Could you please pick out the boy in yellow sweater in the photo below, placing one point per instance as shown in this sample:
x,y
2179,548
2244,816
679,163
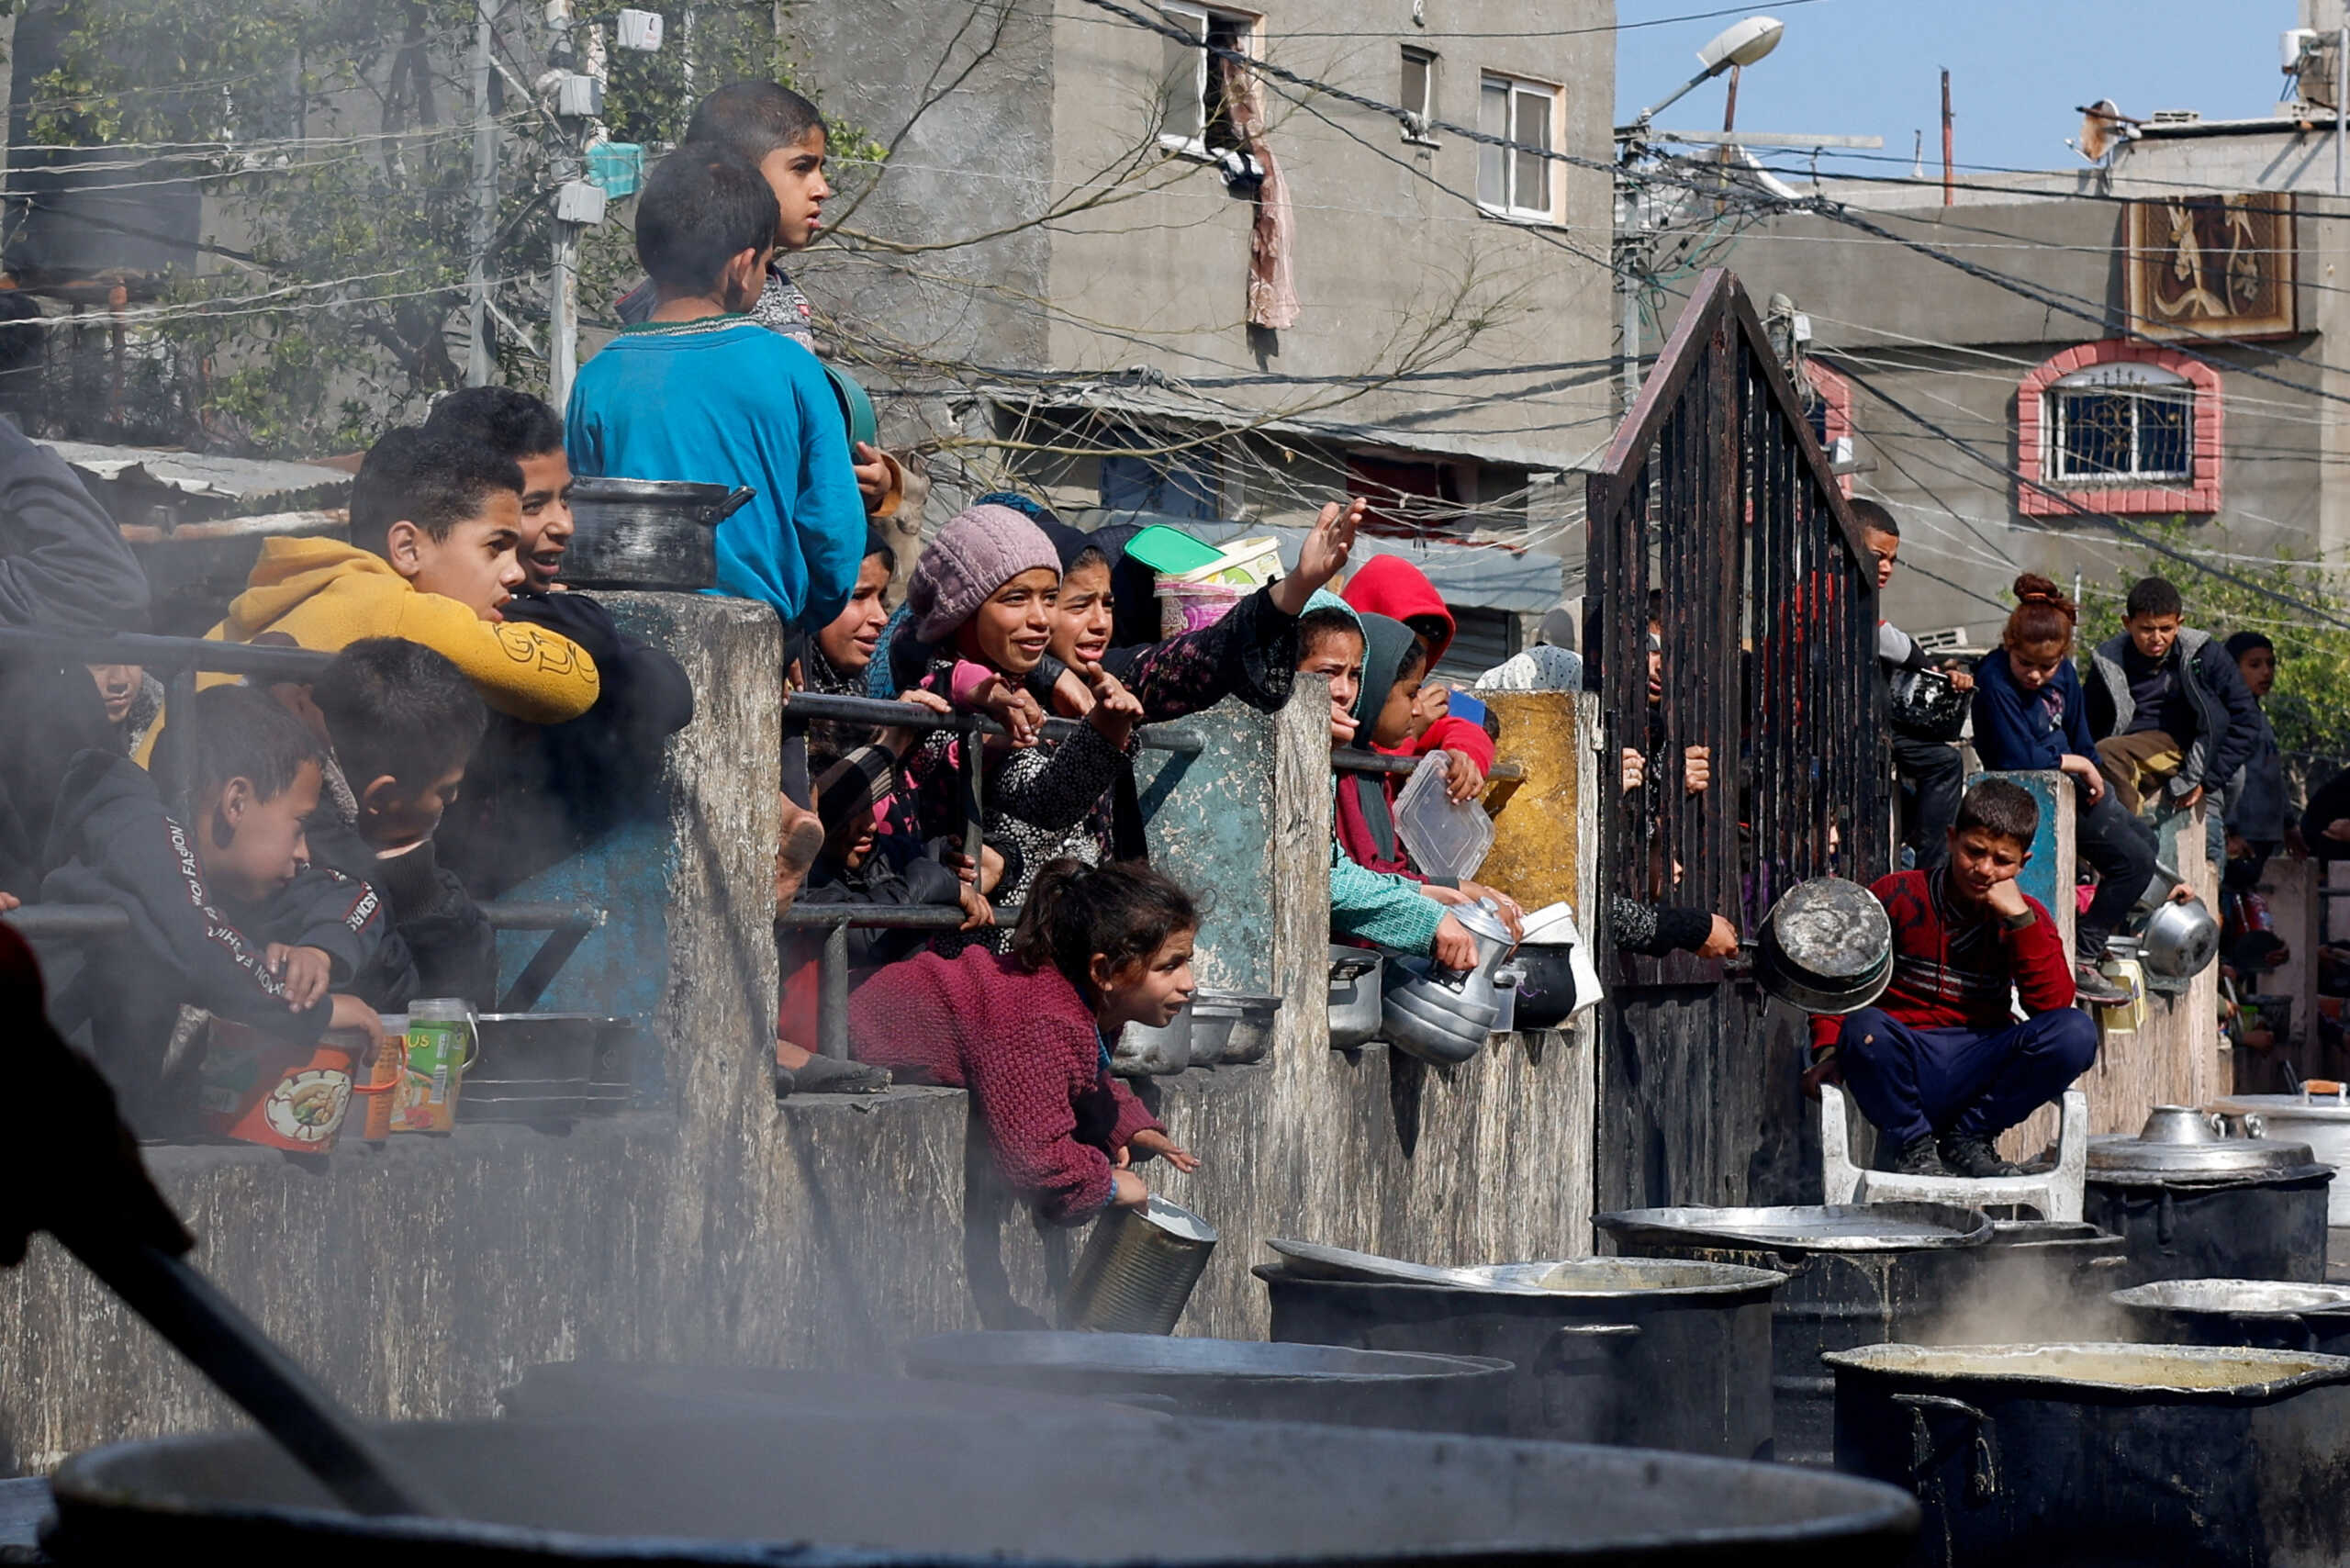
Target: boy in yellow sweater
x,y
433,529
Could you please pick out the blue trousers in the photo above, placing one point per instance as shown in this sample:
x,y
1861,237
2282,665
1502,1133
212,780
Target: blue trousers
x,y
1911,1081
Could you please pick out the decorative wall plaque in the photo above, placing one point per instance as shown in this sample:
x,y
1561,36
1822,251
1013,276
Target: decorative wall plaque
x,y
2212,266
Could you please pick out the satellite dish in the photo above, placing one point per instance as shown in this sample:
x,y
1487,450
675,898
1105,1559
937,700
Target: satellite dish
x,y
1741,43
2100,122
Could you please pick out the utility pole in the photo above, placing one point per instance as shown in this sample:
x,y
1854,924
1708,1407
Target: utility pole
x,y
1950,195
479,365
564,166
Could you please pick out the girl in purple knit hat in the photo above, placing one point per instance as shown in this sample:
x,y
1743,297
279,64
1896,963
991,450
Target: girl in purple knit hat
x,y
980,602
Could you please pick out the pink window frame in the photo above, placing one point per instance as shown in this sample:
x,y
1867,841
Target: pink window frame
x,y
2201,494
1837,394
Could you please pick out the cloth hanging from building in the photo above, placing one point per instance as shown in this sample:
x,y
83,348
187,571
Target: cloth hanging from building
x,y
1272,291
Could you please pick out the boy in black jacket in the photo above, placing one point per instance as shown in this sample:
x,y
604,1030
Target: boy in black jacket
x,y
227,913
2168,709
403,721
538,794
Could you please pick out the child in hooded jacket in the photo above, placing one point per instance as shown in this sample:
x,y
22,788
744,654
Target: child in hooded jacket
x,y
1029,1032
1392,587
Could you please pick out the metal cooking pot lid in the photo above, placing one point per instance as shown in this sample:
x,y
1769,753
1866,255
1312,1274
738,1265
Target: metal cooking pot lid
x,y
1314,1261
1482,922
2239,1298
1832,930
1813,1227
2179,1141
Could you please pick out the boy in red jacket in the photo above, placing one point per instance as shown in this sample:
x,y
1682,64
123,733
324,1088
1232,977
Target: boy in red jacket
x,y
1940,1065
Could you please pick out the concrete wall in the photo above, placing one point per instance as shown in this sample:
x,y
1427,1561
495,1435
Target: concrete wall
x,y
418,1278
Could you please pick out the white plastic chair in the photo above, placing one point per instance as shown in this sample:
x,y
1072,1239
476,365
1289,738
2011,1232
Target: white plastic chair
x,y
2055,1193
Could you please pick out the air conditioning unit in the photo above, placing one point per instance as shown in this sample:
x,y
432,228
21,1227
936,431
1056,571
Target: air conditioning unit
x,y
1948,640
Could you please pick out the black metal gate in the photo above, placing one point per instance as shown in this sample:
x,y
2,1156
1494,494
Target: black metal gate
x,y
1716,494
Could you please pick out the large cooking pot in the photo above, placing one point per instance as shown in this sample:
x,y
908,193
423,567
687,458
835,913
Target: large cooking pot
x,y
2270,1313
875,1490
1442,1014
2103,1453
643,1390
1857,1275
647,534
2196,1205
1826,948
1354,996
2321,1121
1231,1379
1646,1352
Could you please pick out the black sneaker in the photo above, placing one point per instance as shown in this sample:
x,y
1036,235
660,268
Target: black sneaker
x,y
2092,986
1976,1159
1920,1156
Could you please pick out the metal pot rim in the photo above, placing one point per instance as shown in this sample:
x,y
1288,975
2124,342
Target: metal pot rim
x,y
1932,1225
1748,1282
669,491
2202,1180
2331,1301
2030,1367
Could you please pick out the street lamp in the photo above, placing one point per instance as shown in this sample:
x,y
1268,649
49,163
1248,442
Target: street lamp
x,y
1739,44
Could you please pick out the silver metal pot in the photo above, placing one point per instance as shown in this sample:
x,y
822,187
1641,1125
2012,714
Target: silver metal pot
x,y
647,534
1354,996
1231,1028
1826,947
1138,1269
2321,1121
2274,1313
2195,1206
2180,940
1142,1051
1442,1014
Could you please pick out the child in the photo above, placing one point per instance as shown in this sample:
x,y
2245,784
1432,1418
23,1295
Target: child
x,y
1939,1065
781,134
1932,768
700,392
536,794
227,915
1029,1032
2255,812
980,602
1392,587
434,526
1249,652
134,701
403,720
2167,707
1394,660
2030,713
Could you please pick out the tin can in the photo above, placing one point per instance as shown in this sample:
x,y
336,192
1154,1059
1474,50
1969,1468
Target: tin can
x,y
441,1044
1138,1269
261,1088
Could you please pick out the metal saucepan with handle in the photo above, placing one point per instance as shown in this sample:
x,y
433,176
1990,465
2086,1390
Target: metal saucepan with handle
x,y
647,534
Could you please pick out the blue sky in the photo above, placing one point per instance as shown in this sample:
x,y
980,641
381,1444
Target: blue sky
x,y
1871,67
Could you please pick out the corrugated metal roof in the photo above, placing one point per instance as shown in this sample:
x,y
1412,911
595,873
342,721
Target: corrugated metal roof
x,y
227,485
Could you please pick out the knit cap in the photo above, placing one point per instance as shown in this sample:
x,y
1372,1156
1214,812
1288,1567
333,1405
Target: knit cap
x,y
978,551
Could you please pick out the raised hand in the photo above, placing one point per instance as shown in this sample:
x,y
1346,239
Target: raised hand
x,y
1321,557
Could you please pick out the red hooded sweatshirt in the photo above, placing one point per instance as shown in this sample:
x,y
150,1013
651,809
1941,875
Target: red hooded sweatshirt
x,y
1390,586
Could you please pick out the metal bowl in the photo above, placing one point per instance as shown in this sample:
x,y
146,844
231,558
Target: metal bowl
x,y
1142,1051
2180,940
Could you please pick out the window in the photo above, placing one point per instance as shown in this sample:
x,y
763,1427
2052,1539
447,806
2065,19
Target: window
x,y
1170,484
1416,96
2121,421
1196,120
2119,427
1516,181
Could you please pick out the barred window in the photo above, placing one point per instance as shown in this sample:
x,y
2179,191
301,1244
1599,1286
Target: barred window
x,y
2123,421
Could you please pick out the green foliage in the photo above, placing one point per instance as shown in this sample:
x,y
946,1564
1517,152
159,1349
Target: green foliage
x,y
332,296
2309,707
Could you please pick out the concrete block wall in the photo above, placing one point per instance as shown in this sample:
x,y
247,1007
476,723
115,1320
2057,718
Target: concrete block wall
x,y
420,1277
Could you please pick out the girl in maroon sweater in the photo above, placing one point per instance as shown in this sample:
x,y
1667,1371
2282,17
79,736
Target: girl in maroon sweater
x,y
1028,1032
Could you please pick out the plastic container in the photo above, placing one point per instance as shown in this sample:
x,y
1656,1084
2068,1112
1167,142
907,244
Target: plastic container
x,y
262,1088
1169,551
1243,564
1187,607
441,1043
384,1082
1446,839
